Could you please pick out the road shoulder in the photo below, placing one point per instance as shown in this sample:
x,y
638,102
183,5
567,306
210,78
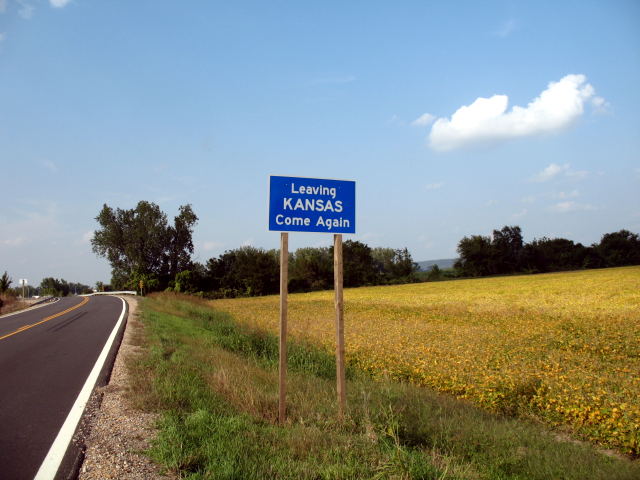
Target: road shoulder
x,y
118,433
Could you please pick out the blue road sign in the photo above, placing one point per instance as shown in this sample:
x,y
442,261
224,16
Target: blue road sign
x,y
299,204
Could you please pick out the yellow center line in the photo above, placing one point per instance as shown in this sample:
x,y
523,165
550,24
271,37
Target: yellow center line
x,y
27,327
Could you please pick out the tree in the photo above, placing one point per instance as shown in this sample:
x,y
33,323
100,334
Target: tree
x,y
434,274
358,264
475,254
620,248
394,265
54,287
5,282
181,243
310,269
245,271
507,249
556,254
140,244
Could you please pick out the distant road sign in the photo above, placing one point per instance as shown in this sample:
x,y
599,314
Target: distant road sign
x,y
298,204
23,282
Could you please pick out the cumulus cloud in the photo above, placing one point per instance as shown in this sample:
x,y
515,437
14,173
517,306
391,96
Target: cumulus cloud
x,y
59,3
487,121
554,170
423,120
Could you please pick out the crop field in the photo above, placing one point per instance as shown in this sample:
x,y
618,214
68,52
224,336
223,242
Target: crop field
x,y
563,348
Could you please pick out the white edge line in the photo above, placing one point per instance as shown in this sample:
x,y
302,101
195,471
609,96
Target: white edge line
x,y
52,461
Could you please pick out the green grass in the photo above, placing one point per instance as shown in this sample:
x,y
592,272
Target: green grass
x,y
216,387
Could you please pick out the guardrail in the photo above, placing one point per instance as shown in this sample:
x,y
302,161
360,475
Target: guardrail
x,y
121,292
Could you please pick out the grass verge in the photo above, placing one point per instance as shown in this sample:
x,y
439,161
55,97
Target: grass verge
x,y
216,386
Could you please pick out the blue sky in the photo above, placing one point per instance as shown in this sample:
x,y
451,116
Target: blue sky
x,y
454,118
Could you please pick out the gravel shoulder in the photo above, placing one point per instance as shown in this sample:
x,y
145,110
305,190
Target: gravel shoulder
x,y
118,433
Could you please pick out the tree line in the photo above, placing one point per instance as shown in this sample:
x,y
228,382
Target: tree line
x,y
505,252
146,251
149,253
49,286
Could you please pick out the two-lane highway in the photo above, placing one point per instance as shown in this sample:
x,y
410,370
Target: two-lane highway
x,y
46,355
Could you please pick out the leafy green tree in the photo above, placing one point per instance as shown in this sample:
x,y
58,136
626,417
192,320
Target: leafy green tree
x,y
555,254
620,248
507,250
384,260
310,269
435,274
54,287
475,254
5,282
189,281
139,243
245,271
394,265
358,264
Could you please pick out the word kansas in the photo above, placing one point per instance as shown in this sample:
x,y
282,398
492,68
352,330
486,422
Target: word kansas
x,y
312,204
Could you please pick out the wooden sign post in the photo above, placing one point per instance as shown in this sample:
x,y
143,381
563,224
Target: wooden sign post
x,y
339,303
284,279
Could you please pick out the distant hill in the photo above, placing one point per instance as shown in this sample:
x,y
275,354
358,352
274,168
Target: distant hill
x,y
444,263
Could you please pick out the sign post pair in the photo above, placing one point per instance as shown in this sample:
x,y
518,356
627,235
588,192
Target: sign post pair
x,y
298,204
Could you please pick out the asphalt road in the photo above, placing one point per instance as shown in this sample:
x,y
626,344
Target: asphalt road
x,y
46,355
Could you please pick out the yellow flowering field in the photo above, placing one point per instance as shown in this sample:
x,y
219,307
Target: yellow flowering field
x,y
562,347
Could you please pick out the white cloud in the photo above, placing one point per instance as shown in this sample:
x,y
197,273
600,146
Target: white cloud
x,y
59,3
571,206
423,120
87,236
3,6
434,186
600,104
552,171
506,29
529,199
487,120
